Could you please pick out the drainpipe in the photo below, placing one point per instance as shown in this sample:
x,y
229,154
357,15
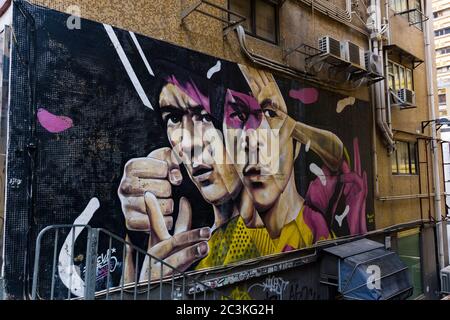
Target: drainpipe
x,y
273,65
386,69
374,152
428,37
386,90
386,9
374,140
379,98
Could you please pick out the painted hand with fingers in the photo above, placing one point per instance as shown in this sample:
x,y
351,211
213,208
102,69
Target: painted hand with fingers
x,y
179,251
355,192
156,173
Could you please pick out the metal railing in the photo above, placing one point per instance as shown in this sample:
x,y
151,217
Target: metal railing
x,y
59,269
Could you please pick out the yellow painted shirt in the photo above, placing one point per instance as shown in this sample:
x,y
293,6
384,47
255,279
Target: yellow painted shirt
x,y
230,243
234,242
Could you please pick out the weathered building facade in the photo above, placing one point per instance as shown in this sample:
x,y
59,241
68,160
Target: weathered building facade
x,y
344,80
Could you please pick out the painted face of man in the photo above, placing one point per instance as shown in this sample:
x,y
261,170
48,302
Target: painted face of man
x,y
260,127
197,142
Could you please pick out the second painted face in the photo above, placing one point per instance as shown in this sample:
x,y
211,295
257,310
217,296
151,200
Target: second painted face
x,y
199,145
256,125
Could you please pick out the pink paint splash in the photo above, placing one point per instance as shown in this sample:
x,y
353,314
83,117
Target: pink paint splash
x,y
306,95
192,91
53,123
242,111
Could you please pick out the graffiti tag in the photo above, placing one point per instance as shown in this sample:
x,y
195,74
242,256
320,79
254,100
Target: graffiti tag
x,y
102,264
299,292
14,182
272,285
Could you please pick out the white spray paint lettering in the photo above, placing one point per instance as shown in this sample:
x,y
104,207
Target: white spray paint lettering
x,y
102,264
14,182
273,285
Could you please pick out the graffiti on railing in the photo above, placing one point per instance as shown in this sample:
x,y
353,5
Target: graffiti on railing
x,y
103,261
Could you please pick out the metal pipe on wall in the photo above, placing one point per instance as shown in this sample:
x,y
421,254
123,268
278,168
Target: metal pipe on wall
x,y
379,98
428,37
388,101
408,196
386,9
278,67
342,15
374,150
335,13
386,89
376,36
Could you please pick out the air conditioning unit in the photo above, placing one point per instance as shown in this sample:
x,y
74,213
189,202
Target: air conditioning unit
x,y
407,96
353,53
445,280
372,62
330,46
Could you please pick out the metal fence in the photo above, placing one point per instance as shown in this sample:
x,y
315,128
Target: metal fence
x,y
57,275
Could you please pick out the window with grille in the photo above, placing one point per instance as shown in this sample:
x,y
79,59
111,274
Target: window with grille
x,y
404,158
400,77
406,5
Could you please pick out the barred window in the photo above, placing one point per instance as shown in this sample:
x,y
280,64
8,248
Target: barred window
x,y
400,77
406,5
404,158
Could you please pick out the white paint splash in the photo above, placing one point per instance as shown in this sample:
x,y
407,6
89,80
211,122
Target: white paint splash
x,y
127,65
308,145
314,168
343,103
144,58
66,269
341,217
214,69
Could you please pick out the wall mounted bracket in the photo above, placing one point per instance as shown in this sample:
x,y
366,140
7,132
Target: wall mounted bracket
x,y
323,59
439,123
200,6
415,16
307,50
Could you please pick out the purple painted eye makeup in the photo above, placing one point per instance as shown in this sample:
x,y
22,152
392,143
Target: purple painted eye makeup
x,y
242,111
192,91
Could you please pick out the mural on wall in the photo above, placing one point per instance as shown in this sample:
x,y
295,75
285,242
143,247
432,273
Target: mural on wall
x,y
199,161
